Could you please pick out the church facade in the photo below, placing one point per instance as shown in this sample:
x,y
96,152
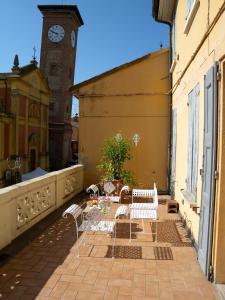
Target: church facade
x,y
24,101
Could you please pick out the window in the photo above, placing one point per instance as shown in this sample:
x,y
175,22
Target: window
x,y
174,40
189,6
32,159
2,105
53,70
192,162
173,45
52,106
70,73
192,8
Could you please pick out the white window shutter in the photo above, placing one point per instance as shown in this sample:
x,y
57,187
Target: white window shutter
x,y
193,136
190,136
196,141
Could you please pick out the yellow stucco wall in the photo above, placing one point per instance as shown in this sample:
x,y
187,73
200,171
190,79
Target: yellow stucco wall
x,y
132,100
208,51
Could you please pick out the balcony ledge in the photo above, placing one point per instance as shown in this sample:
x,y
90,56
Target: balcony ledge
x,y
190,199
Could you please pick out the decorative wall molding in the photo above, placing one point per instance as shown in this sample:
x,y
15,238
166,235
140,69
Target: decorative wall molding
x,y
70,184
33,204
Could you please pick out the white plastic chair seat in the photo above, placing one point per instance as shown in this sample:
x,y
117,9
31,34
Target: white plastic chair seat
x,y
143,206
143,214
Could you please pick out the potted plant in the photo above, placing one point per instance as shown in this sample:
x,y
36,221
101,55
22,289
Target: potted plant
x,y
115,152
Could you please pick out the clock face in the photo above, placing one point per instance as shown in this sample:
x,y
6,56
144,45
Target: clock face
x,y
73,38
56,33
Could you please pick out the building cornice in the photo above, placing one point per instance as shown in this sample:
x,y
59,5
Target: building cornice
x,y
163,10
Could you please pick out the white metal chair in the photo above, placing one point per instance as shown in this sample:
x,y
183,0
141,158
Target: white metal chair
x,y
140,210
91,222
114,198
117,199
147,194
93,189
122,210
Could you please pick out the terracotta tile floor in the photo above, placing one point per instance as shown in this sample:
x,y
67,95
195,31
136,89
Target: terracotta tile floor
x,y
48,267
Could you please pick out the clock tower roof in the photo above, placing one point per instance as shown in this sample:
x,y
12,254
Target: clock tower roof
x,y
72,9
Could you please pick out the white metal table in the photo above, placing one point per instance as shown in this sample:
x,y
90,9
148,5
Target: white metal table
x,y
92,221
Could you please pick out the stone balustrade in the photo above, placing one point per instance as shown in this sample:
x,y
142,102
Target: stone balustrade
x,y
24,204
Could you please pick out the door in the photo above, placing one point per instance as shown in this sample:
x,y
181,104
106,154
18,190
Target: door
x,y
32,159
208,171
174,147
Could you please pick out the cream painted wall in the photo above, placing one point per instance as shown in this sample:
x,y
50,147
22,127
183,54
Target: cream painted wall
x,y
208,52
133,100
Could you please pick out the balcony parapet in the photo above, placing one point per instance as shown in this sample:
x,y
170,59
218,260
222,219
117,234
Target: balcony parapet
x,y
24,204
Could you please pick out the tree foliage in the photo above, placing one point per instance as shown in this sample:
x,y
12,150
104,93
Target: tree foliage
x,y
115,152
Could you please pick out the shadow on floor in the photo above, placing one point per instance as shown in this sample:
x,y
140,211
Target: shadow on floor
x,y
30,260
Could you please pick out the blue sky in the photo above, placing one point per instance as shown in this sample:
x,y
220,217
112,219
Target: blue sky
x,y
114,32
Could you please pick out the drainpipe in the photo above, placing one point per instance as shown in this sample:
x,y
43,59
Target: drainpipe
x,y
170,105
171,116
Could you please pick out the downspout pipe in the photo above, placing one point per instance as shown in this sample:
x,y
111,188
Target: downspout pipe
x,y
155,9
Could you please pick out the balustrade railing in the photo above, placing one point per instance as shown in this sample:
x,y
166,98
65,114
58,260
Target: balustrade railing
x,y
26,203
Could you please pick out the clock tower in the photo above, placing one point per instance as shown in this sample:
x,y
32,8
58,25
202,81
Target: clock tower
x,y
57,62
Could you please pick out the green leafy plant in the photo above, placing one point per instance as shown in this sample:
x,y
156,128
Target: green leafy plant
x,y
115,152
